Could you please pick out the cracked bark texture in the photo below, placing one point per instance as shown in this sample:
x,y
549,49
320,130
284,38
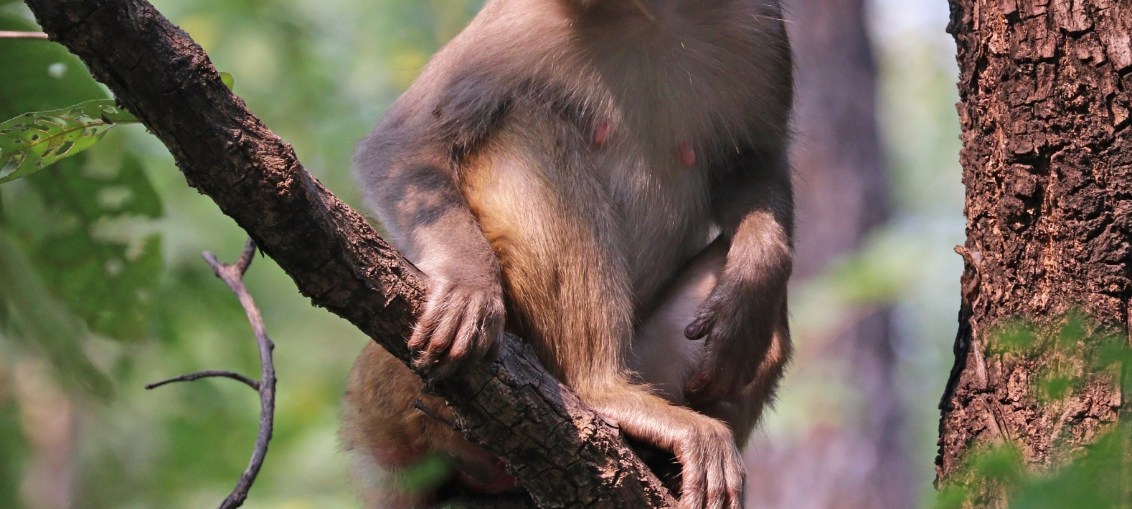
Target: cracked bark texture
x,y
1047,163
564,454
842,190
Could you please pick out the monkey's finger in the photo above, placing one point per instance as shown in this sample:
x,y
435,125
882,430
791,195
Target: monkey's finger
x,y
700,326
692,483
710,383
493,348
733,480
433,355
715,496
422,331
464,340
429,319
490,331
736,484
488,328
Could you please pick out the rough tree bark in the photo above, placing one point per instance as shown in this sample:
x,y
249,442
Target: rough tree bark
x,y
1047,162
512,406
843,195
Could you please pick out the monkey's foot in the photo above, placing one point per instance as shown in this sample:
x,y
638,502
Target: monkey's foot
x,y
712,472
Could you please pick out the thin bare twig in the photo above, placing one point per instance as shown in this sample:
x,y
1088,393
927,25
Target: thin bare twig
x,y
10,34
192,377
233,276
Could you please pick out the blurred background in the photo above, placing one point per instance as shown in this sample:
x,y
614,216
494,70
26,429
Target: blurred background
x,y
102,288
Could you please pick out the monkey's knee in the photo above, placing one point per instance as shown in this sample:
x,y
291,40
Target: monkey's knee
x,y
384,430
405,450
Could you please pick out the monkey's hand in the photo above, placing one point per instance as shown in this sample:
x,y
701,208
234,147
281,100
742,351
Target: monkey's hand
x,y
737,322
461,324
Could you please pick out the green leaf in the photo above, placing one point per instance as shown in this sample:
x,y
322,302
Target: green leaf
x,y
228,80
13,451
97,202
951,497
1093,480
86,230
1072,332
34,141
1002,464
1112,350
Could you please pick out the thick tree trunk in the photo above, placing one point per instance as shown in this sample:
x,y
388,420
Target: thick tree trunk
x,y
1047,162
843,194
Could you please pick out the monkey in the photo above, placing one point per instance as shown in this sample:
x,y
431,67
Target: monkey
x,y
607,179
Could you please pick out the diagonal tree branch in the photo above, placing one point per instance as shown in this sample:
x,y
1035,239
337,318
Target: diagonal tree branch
x,y
563,453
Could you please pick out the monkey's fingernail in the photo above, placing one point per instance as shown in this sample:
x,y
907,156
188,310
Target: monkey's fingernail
x,y
687,154
601,133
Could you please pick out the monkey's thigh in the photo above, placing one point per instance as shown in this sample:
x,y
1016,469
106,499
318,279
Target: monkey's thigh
x,y
551,223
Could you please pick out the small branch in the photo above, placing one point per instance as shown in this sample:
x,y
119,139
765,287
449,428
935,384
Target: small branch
x,y
233,276
9,34
192,377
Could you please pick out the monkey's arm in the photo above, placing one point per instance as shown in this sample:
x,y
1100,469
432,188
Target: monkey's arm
x,y
754,205
408,168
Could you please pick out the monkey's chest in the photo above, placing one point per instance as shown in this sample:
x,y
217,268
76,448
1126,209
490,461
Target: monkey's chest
x,y
660,198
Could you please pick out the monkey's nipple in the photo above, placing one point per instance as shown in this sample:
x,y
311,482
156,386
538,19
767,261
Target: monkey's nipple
x,y
687,154
602,132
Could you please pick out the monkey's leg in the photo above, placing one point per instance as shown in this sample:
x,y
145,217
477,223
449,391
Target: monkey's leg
x,y
753,205
568,294
665,359
662,356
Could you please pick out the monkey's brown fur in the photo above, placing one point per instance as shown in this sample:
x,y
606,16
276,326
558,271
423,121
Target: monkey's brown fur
x,y
554,169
